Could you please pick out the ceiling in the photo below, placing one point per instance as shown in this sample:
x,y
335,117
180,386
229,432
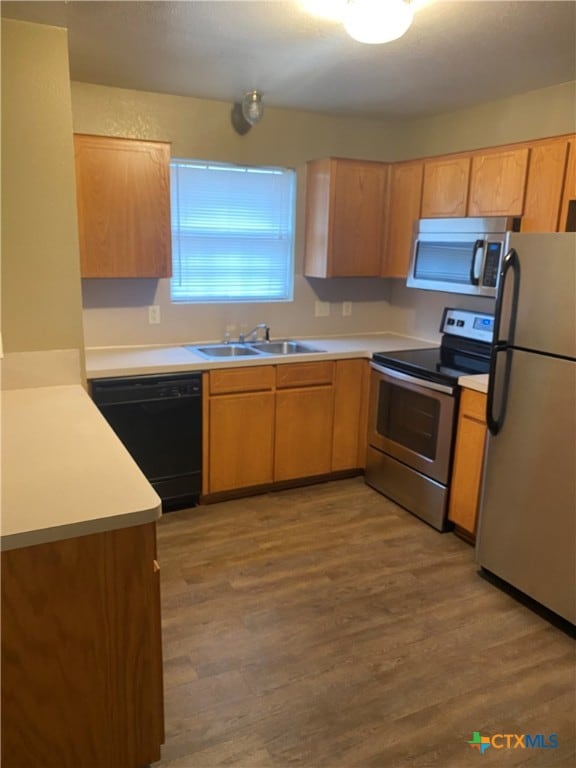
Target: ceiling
x,y
454,55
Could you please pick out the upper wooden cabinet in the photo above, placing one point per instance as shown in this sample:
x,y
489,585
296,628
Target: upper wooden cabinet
x,y
345,214
498,183
123,198
546,173
405,196
445,187
568,208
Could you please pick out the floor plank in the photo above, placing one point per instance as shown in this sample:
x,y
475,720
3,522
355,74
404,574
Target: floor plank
x,y
325,627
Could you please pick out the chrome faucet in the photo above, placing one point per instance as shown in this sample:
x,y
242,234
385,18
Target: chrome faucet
x,y
254,333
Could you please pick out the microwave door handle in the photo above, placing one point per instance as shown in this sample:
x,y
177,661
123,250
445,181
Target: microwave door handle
x,y
476,263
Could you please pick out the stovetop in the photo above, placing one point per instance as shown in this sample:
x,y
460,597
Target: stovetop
x,y
432,365
465,350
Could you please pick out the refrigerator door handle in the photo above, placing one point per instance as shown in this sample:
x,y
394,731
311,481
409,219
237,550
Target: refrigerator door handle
x,y
510,262
498,385
499,380
476,263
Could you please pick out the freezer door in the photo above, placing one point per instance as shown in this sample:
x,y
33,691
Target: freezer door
x,y
527,523
546,313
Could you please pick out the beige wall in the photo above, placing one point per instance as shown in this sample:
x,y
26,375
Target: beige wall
x,y
115,311
41,299
532,115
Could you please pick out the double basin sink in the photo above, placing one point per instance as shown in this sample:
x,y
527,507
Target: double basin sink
x,y
252,349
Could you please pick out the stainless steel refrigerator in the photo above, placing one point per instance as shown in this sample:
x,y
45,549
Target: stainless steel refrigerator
x,y
527,524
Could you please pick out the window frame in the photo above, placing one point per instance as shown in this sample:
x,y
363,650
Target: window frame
x,y
283,234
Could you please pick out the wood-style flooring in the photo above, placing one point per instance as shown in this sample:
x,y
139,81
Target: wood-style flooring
x,y
325,627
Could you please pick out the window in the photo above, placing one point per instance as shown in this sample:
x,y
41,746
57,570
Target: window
x,y
232,232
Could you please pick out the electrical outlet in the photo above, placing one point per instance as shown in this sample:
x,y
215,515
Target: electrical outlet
x,y
321,308
346,308
154,315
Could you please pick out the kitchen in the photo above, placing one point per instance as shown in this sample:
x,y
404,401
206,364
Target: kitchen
x,y
115,313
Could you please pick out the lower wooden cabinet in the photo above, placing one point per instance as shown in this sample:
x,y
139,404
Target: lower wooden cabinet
x,y
350,414
468,462
269,424
82,652
241,441
304,419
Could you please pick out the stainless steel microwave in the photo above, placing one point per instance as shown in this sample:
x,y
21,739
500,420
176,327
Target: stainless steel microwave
x,y
460,255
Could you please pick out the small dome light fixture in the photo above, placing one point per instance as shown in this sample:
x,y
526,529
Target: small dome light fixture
x,y
252,107
247,112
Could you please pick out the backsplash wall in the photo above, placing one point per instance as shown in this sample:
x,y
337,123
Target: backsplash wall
x,y
116,312
413,312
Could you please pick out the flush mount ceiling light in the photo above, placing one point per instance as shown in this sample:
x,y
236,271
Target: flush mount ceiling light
x,y
368,21
247,112
377,21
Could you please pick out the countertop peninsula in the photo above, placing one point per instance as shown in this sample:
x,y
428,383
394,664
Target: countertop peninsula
x,y
64,471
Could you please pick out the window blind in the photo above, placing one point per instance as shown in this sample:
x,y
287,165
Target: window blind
x,y
232,232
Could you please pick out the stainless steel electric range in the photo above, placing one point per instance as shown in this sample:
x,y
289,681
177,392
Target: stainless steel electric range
x,y
412,414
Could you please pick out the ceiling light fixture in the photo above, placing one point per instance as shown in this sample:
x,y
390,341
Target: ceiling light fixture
x,y
377,21
247,112
368,21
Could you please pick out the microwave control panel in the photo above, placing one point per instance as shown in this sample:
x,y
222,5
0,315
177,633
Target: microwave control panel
x,y
492,264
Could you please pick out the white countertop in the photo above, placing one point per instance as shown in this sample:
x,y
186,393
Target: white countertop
x,y
134,361
64,471
478,382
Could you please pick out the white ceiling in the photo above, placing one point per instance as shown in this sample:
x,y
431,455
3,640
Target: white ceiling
x,y
455,54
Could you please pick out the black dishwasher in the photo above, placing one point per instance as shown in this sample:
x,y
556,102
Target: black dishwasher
x,y
159,420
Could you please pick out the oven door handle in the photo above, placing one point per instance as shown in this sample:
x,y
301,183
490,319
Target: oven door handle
x,y
413,379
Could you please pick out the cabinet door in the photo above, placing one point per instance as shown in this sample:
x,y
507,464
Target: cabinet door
x,y
546,172
318,202
241,451
468,462
350,414
445,189
358,218
568,211
405,197
81,652
123,200
345,209
137,695
498,183
304,419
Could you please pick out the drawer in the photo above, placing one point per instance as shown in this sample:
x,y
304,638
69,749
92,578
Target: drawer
x,y
225,380
473,404
304,374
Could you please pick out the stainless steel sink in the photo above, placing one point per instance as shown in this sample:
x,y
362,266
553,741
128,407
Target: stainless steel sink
x,y
224,350
285,347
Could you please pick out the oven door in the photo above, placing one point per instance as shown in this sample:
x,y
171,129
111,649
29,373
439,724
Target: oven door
x,y
412,420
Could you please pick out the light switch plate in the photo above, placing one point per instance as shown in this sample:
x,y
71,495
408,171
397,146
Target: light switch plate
x,y
321,308
346,308
154,314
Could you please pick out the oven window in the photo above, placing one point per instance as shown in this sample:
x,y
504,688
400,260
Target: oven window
x,y
408,418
